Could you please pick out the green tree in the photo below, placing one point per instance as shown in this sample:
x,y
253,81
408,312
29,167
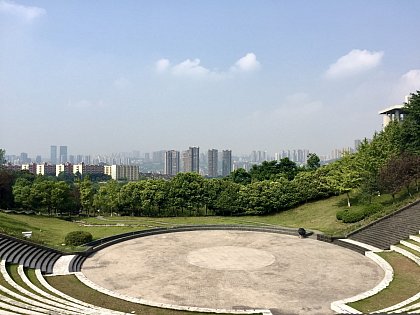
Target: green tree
x,y
343,177
240,176
227,201
186,191
60,197
313,161
87,193
154,196
410,136
21,193
107,198
130,196
40,194
2,157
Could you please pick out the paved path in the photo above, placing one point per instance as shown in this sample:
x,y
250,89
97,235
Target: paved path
x,y
234,269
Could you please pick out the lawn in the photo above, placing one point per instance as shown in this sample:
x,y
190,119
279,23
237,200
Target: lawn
x,y
319,216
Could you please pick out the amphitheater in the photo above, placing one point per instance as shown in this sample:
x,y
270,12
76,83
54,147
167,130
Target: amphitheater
x,y
216,269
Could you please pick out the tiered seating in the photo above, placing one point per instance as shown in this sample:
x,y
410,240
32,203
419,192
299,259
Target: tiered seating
x,y
390,229
409,248
37,300
411,305
17,251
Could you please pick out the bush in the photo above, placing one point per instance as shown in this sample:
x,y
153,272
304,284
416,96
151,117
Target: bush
x,y
352,216
340,213
77,238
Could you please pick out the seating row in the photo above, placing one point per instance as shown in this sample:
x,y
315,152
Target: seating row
x,y
28,254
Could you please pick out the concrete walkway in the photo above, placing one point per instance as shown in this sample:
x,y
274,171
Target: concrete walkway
x,y
234,270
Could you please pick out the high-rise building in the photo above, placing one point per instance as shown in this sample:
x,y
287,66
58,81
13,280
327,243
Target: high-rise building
x,y
53,155
213,157
63,154
191,159
226,162
23,159
172,162
158,156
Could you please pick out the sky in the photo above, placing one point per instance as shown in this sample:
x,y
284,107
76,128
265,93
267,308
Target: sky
x,y
106,76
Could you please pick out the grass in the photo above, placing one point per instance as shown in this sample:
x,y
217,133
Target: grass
x,y
70,285
408,249
405,284
317,216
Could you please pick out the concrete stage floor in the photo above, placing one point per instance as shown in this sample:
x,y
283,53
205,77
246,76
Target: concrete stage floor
x,y
234,269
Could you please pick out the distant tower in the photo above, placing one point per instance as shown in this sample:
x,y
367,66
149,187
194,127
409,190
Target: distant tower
x,y
191,159
171,162
213,157
63,154
226,162
53,158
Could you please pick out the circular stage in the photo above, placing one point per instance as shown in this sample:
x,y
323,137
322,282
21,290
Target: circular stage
x,y
234,270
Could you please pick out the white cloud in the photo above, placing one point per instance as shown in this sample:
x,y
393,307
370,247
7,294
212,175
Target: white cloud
x,y
162,65
411,80
408,83
27,13
248,62
190,68
355,62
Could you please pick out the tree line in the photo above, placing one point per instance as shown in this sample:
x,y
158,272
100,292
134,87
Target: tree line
x,y
388,163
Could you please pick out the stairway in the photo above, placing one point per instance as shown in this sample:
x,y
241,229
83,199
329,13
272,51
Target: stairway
x,y
391,229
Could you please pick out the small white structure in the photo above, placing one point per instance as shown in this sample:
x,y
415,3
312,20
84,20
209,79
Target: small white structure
x,y
394,113
27,234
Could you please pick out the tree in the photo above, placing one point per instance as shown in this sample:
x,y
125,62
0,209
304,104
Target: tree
x,y
87,193
410,136
60,197
7,179
40,194
2,157
21,193
107,198
130,196
399,172
186,191
343,177
240,176
227,200
153,196
313,162
273,169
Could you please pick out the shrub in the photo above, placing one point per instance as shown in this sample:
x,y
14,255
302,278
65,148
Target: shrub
x,y
77,238
352,216
340,213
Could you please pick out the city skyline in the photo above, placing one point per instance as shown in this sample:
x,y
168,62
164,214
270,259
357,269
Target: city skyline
x,y
105,77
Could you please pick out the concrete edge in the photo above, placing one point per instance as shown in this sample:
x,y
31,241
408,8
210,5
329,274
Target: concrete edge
x,y
103,290
340,305
360,244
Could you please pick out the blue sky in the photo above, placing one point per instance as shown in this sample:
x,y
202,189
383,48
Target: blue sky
x,y
109,76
